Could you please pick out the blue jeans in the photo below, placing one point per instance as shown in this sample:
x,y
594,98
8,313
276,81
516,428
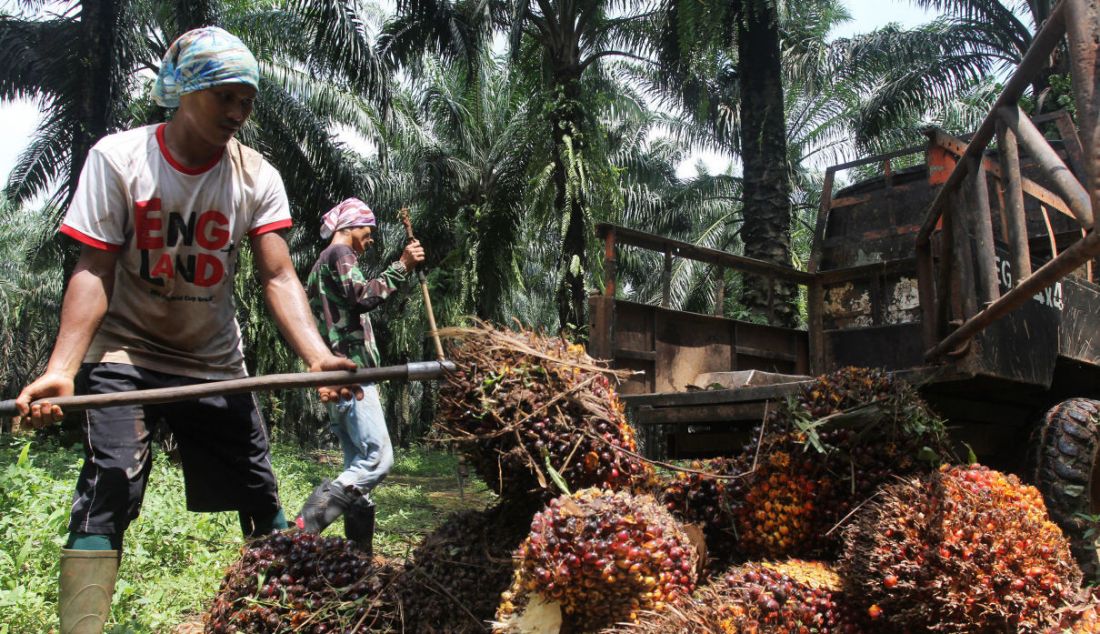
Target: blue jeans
x,y
361,428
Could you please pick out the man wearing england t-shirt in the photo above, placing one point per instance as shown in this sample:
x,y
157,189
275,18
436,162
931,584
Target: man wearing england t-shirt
x,y
161,213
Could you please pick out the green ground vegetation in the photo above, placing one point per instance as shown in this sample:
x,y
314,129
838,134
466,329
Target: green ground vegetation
x,y
174,560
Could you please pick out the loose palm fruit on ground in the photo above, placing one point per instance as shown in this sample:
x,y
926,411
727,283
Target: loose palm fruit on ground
x,y
965,549
520,399
790,597
602,557
299,582
452,582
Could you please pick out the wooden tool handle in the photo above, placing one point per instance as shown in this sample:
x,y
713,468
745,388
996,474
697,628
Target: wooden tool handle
x,y
418,371
407,221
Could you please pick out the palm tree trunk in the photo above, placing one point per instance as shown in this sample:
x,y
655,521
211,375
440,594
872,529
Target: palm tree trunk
x,y
98,25
566,120
192,14
767,209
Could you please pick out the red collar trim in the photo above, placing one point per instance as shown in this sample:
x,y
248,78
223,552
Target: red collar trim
x,y
180,167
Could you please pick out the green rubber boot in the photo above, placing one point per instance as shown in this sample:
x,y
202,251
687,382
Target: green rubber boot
x,y
87,585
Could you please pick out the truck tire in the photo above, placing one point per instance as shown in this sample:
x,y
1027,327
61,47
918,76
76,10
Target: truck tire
x,y
1066,470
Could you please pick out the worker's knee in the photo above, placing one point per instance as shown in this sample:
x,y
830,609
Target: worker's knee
x,y
385,458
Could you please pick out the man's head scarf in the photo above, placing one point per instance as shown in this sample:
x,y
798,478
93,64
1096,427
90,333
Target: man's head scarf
x,y
347,215
201,59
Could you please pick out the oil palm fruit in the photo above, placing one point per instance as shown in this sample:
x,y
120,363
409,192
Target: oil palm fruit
x,y
698,497
1081,618
965,549
824,453
521,401
452,582
601,557
302,582
789,597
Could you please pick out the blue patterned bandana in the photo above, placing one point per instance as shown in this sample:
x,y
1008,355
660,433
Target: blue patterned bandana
x,y
201,59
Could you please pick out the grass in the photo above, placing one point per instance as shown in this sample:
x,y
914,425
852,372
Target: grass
x,y
173,559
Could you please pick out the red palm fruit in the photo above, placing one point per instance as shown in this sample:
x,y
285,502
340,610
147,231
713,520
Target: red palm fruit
x,y
520,399
967,549
285,580
644,561
452,581
790,597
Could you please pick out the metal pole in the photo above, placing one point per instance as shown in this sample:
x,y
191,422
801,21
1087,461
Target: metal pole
x,y
1015,220
1083,33
815,309
963,257
982,226
719,290
1050,273
816,292
609,263
1051,164
926,291
666,280
1035,59
946,275
1072,144
418,371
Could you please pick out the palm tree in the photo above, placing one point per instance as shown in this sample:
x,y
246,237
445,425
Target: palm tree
x,y
707,209
30,297
726,63
82,67
469,177
78,66
563,44
912,77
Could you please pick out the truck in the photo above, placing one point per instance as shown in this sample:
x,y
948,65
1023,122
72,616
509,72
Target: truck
x,y
970,272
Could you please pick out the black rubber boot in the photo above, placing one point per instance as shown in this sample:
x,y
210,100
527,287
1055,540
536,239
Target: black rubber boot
x,y
359,525
327,502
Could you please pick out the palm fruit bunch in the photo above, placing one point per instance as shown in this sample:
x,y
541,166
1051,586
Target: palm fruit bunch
x,y
774,508
303,583
453,581
965,549
696,496
601,557
521,400
789,597
825,452
844,389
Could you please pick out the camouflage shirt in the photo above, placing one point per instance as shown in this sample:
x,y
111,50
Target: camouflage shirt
x,y
340,297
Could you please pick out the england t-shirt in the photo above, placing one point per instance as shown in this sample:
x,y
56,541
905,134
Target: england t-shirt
x,y
177,231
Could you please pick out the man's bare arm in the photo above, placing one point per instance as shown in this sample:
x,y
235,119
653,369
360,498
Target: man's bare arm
x,y
82,311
